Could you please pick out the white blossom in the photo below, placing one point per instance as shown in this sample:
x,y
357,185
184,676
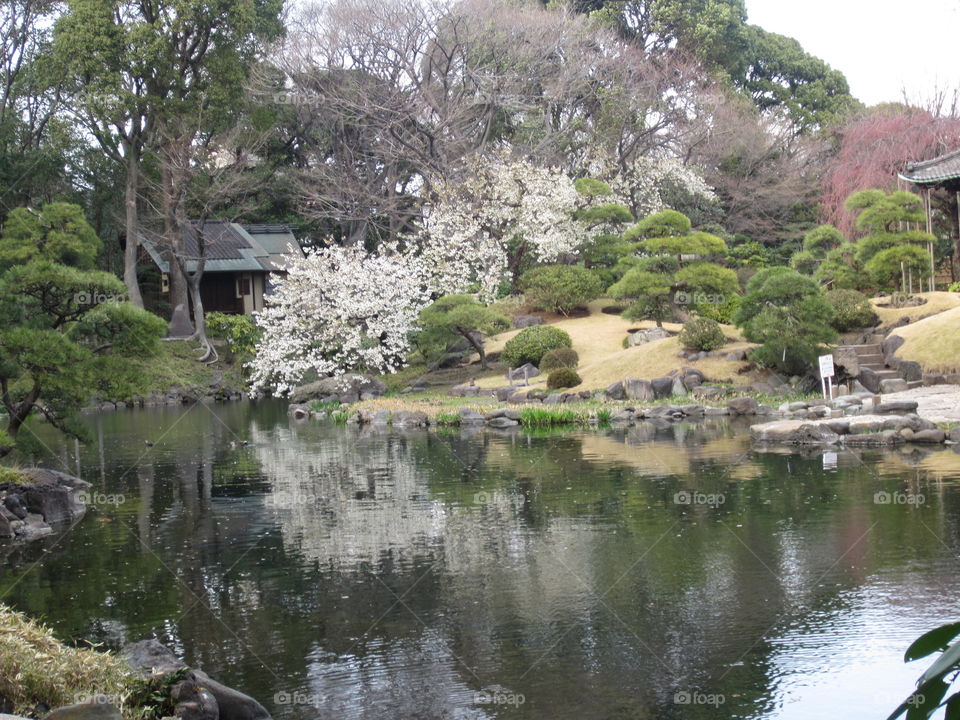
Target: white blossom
x,y
642,184
338,310
496,211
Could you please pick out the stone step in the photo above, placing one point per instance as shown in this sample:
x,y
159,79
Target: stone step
x,y
914,384
862,350
867,360
887,374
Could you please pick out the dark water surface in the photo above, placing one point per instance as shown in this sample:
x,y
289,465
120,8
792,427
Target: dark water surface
x,y
344,573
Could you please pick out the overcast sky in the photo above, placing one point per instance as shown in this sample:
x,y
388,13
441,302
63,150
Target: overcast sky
x,y
882,46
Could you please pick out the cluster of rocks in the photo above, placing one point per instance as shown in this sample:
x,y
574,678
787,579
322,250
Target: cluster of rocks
x,y
344,389
214,392
738,355
678,383
396,418
28,510
736,406
852,422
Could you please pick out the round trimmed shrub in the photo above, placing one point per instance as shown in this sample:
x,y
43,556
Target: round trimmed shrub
x,y
563,378
560,288
532,343
559,358
955,287
702,334
852,310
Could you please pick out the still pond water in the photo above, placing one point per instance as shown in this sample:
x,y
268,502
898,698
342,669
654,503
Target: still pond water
x,y
652,572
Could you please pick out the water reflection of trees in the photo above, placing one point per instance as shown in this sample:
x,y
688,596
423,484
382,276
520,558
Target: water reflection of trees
x,y
555,565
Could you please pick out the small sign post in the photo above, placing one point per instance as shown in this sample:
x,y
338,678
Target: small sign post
x,y
826,375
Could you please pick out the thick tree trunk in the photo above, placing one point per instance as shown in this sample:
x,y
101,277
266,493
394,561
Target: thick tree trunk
x,y
173,231
17,414
477,345
130,252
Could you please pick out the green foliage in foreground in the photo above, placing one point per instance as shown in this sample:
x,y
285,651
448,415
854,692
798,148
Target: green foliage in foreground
x,y
933,685
66,336
532,343
37,671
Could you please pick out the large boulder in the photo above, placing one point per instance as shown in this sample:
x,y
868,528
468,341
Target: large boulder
x,y
662,387
233,704
617,391
193,701
54,503
469,416
349,385
910,371
794,432
678,389
151,657
846,358
743,406
642,337
641,390
525,321
890,345
870,380
896,407
893,385
85,711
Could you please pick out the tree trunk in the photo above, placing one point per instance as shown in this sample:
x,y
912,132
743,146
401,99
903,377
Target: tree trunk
x,y
477,345
133,239
17,414
174,228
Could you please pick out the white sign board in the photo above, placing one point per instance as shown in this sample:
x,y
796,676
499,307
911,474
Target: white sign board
x,y
826,366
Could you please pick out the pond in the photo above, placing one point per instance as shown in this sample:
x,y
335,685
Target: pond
x,y
660,571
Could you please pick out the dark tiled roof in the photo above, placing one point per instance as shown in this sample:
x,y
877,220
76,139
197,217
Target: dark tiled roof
x,y
231,247
940,169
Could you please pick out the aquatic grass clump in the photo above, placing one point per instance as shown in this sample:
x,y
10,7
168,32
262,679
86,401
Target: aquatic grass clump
x,y
340,417
321,406
446,419
549,417
37,671
604,416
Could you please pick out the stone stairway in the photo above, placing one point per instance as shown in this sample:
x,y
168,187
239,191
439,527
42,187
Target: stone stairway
x,y
871,367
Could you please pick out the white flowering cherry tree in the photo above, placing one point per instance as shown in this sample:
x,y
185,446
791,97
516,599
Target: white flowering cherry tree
x,y
644,181
493,217
338,310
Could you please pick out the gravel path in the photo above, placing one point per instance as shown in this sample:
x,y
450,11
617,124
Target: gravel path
x,y
938,403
